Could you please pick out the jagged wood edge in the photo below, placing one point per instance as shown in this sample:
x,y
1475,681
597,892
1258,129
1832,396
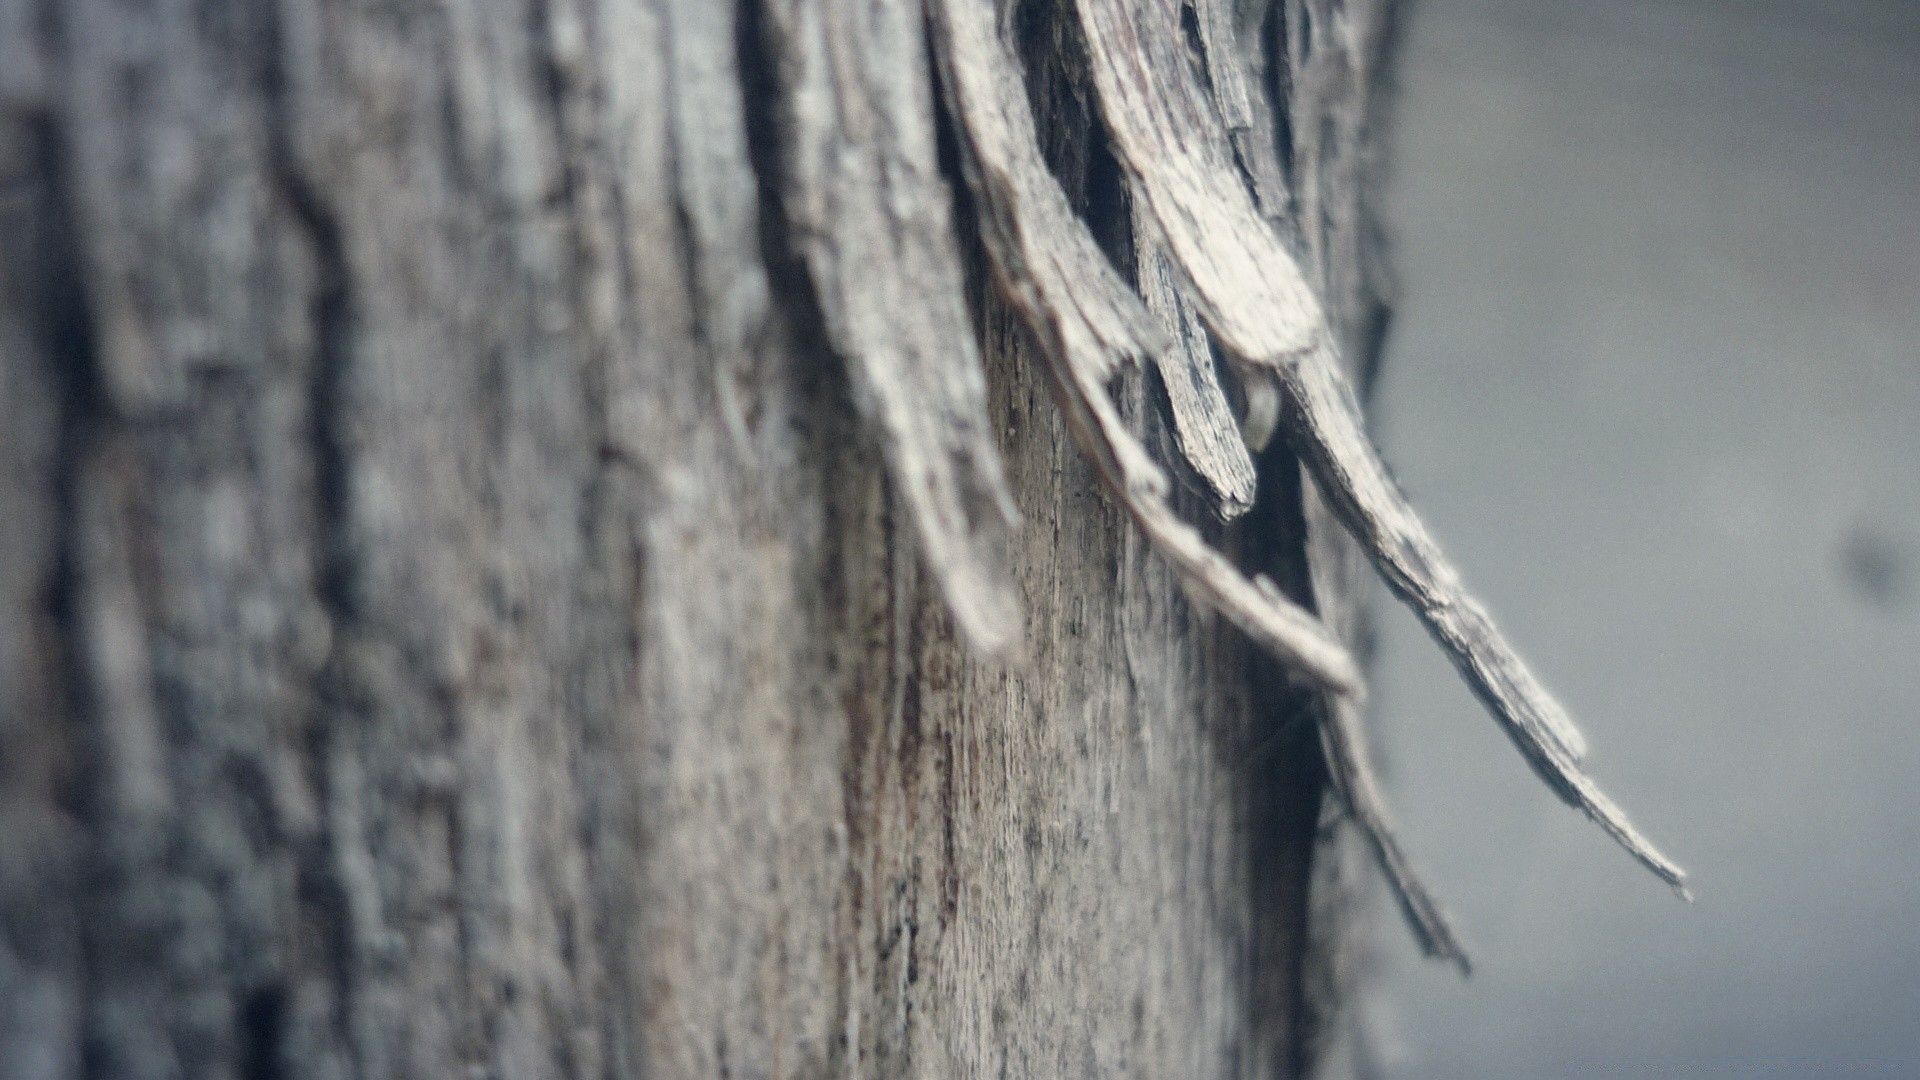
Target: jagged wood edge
x,y
873,222
1053,274
1204,426
1172,144
1322,422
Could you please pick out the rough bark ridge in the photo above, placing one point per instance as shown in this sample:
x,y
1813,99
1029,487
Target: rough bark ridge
x,y
465,602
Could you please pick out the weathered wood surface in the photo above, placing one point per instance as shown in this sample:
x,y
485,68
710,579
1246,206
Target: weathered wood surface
x,y
457,619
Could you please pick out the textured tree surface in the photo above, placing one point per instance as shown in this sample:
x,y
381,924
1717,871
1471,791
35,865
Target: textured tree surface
x,y
473,601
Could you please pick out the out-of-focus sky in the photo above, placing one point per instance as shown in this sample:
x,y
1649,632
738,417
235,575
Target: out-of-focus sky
x,y
1655,382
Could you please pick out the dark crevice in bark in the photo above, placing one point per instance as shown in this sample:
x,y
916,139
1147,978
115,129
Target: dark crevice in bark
x,y
1196,48
1072,141
68,331
260,1026
1275,43
1052,90
1106,206
331,321
687,245
1289,773
833,445
789,285
825,419
72,346
556,91
948,156
320,889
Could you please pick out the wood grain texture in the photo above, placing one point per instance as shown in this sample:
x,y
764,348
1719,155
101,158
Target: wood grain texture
x,y
462,611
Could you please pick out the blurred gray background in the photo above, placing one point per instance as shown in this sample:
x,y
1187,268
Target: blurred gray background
x,y
1655,380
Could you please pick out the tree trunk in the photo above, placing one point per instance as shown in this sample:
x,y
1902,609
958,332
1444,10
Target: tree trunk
x,y
455,618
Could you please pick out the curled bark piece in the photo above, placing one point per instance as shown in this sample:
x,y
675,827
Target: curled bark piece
x,y
1203,422
1344,743
872,218
1088,322
1323,424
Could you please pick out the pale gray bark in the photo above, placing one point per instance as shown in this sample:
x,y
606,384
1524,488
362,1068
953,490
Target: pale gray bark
x,y
501,531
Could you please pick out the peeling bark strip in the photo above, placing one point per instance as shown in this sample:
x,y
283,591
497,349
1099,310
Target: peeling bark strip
x,y
1174,144
1090,323
871,215
1324,426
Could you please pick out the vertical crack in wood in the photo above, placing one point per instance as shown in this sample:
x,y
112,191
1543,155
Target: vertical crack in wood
x,y
338,903
1089,323
873,220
